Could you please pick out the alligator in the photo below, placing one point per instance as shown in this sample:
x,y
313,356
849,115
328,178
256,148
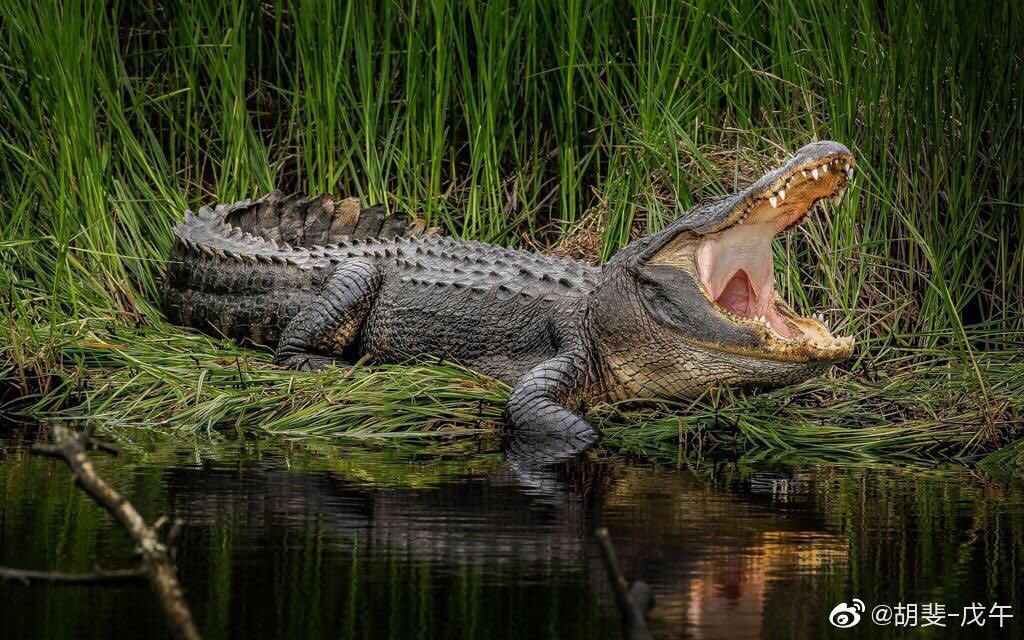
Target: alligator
x,y
667,316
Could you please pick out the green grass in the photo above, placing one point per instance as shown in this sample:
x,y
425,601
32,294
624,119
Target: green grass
x,y
542,124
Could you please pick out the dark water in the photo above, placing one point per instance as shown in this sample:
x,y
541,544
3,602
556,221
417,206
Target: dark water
x,y
318,541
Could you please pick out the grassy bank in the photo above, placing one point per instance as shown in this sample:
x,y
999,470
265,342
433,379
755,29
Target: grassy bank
x,y
555,125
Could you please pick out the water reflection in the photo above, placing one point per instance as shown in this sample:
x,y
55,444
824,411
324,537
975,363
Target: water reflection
x,y
296,541
728,591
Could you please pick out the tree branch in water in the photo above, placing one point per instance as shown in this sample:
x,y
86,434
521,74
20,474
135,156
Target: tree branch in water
x,y
632,602
156,557
98,577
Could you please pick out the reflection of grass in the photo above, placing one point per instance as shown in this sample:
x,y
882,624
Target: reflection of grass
x,y
916,534
554,124
306,576
390,462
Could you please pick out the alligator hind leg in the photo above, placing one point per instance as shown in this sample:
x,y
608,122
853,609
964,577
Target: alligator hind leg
x,y
541,412
317,335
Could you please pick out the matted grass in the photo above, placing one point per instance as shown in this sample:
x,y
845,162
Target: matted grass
x,y
568,125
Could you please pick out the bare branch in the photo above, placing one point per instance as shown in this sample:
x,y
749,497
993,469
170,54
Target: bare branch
x,y
156,562
632,603
100,576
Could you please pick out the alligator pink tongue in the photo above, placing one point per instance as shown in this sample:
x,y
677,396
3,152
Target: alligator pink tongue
x,y
739,297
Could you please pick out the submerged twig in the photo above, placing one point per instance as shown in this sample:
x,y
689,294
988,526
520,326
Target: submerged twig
x,y
631,601
100,576
155,556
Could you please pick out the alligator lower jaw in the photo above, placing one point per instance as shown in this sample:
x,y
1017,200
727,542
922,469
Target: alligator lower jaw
x,y
735,265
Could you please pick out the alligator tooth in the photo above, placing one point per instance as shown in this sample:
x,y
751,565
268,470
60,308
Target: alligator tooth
x,y
782,194
847,168
836,199
849,173
774,201
814,173
804,172
824,168
839,195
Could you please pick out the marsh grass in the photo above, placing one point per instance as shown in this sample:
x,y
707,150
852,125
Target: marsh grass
x,y
522,124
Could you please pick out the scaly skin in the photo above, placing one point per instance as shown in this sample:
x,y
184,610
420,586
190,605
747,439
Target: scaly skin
x,y
299,275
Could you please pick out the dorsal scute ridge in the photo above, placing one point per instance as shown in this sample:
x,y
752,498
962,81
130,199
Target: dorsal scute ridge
x,y
440,259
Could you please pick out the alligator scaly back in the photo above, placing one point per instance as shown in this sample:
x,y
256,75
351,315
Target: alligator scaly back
x,y
242,270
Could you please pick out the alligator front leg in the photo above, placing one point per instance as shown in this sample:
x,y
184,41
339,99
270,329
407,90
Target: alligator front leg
x,y
541,409
318,334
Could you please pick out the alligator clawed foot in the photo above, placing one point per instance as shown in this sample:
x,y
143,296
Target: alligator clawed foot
x,y
308,362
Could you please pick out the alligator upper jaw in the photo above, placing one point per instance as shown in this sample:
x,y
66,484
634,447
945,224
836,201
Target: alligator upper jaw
x,y
735,265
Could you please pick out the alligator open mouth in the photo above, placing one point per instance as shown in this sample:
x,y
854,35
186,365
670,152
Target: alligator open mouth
x,y
735,266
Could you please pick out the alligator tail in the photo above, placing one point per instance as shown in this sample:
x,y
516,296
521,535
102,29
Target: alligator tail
x,y
243,270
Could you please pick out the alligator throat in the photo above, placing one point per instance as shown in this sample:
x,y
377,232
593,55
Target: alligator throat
x,y
736,269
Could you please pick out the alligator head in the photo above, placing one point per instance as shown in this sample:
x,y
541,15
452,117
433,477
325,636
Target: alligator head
x,y
696,304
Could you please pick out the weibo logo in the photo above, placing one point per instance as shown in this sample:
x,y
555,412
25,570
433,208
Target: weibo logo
x,y
845,616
